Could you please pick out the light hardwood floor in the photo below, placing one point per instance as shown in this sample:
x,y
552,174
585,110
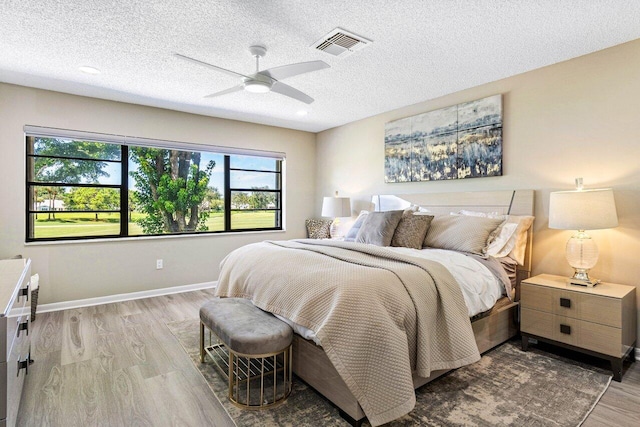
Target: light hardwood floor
x,y
620,405
119,365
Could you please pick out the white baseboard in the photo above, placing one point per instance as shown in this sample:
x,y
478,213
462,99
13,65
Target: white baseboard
x,y
65,305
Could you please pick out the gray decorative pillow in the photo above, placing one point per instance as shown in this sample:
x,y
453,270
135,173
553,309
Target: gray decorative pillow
x,y
318,228
461,233
411,230
378,228
353,231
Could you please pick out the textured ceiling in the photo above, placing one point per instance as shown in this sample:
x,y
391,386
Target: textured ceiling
x,y
421,49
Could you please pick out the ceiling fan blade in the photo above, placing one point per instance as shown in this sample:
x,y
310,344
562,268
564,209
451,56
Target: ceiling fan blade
x,y
287,90
291,70
214,67
226,91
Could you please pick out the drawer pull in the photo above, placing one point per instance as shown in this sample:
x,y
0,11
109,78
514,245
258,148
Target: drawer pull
x,y
23,364
565,302
565,329
24,292
24,326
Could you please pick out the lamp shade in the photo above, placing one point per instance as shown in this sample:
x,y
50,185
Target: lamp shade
x,y
582,210
336,207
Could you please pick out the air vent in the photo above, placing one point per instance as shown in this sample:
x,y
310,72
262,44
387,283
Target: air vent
x,y
341,43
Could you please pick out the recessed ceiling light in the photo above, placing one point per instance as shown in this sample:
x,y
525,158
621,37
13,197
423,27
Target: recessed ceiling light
x,y
89,70
302,113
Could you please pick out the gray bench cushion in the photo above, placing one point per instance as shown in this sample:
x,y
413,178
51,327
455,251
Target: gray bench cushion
x,y
244,328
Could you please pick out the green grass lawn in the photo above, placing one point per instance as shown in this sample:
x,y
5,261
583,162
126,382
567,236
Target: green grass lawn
x,y
85,224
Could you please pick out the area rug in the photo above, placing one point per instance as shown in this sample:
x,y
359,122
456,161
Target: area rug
x,y
507,387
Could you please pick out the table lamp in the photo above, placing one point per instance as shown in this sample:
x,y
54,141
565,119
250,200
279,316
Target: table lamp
x,y
582,210
336,207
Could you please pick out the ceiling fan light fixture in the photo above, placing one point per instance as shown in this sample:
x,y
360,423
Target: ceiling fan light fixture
x,y
256,86
89,70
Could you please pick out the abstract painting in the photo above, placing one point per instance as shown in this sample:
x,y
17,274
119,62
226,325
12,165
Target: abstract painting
x,y
462,141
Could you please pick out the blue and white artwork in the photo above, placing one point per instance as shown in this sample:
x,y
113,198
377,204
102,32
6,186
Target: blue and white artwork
x,y
462,141
397,151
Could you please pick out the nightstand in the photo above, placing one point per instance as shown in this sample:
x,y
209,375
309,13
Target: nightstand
x,y
599,321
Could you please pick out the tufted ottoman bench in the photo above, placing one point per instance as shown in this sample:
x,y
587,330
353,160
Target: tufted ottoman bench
x,y
252,350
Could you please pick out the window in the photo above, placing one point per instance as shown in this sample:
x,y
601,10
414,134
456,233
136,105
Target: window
x,y
254,191
83,188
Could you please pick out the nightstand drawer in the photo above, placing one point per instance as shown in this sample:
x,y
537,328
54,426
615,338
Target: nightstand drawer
x,y
591,336
566,330
547,325
536,322
549,300
575,304
602,310
536,297
601,338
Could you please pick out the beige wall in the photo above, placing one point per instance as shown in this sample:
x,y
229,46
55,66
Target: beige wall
x,y
85,270
579,118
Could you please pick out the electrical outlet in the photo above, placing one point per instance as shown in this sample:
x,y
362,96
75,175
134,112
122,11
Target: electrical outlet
x,y
159,264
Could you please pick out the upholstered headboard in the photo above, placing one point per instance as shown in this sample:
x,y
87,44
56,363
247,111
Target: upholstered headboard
x,y
512,202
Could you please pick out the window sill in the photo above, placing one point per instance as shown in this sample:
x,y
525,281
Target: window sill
x,y
144,238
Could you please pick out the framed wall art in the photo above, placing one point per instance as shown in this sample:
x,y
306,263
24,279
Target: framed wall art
x,y
462,141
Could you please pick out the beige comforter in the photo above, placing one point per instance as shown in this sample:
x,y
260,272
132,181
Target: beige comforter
x,y
378,315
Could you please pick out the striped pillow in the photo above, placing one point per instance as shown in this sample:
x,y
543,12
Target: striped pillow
x,y
461,233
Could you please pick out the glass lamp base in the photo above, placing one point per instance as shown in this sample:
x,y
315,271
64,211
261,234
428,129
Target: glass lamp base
x,y
582,255
589,283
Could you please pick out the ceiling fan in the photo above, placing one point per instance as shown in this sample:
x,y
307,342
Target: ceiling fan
x,y
266,80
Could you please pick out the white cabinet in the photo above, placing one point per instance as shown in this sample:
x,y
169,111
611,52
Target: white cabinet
x,y
15,345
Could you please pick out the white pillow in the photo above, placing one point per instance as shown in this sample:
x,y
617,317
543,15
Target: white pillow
x,y
482,214
350,236
418,208
520,247
503,243
509,241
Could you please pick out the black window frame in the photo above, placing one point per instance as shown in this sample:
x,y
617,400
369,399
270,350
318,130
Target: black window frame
x,y
124,192
228,190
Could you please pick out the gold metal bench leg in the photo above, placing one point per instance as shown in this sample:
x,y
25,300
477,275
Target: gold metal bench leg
x,y
232,366
242,369
201,342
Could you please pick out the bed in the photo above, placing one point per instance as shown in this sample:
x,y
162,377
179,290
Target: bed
x,y
316,365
